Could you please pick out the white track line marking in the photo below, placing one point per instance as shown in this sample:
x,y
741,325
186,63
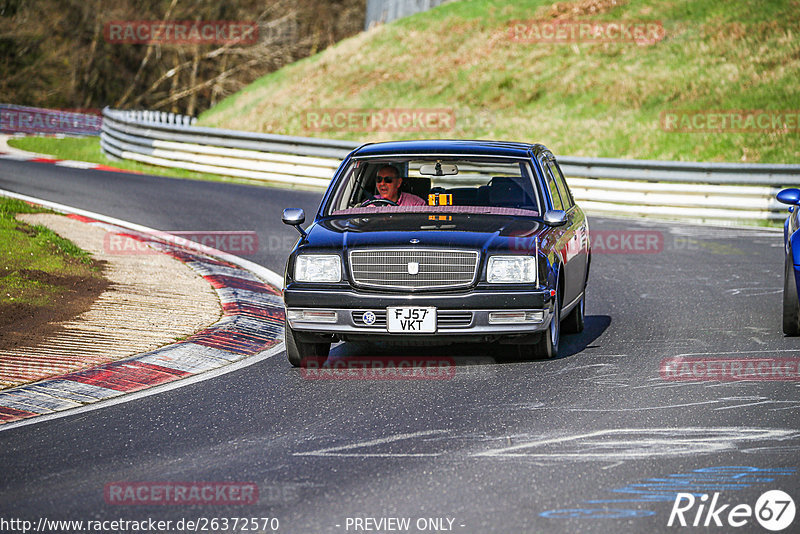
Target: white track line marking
x,y
638,443
331,451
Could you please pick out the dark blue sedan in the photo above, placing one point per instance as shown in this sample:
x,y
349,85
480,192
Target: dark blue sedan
x,y
791,282
432,242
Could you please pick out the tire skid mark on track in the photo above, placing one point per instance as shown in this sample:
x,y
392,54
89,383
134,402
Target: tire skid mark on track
x,y
639,443
250,325
608,445
717,404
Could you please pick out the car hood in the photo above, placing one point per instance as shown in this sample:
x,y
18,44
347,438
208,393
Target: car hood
x,y
481,232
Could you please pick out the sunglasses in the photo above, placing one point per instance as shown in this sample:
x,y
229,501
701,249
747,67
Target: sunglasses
x,y
387,179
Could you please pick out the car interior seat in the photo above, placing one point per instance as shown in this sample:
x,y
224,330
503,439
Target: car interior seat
x,y
464,196
419,186
505,191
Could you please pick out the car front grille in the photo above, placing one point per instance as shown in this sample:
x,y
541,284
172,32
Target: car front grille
x,y
433,269
444,319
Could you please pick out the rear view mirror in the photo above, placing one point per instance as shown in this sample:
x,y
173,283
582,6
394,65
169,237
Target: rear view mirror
x,y
438,169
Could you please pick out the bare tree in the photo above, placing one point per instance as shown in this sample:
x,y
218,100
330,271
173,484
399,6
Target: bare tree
x,y
54,53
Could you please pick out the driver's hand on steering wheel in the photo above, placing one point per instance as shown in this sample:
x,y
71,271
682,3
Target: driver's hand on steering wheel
x,y
378,201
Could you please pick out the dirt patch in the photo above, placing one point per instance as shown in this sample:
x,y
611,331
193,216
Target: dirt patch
x,y
567,10
23,324
143,301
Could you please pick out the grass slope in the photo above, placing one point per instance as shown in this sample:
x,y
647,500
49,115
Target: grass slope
x,y
34,259
580,99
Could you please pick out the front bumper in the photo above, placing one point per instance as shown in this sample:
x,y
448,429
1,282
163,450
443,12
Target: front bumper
x,y
461,316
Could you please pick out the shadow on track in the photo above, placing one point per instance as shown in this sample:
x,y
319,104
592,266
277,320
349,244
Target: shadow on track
x,y
462,353
594,327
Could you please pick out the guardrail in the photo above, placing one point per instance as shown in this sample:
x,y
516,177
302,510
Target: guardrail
x,y
687,190
383,11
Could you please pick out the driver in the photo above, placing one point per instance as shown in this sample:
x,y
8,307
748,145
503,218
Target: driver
x,y
388,183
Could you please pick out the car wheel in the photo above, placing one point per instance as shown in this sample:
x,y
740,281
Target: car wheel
x,y
574,322
547,347
791,306
299,352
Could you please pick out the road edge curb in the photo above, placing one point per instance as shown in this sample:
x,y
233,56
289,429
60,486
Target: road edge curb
x,y
250,331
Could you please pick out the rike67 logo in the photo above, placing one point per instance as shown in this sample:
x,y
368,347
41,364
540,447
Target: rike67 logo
x,y
774,510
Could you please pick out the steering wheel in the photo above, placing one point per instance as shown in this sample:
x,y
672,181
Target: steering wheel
x,y
378,202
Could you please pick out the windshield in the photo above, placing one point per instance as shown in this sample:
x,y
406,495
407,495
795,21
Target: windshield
x,y
436,185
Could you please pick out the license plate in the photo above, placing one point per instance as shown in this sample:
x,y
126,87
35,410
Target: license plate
x,y
411,320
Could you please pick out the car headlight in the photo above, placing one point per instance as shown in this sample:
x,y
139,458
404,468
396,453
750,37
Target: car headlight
x,y
318,268
511,270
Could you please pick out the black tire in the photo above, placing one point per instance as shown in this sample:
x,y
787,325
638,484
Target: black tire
x,y
574,322
299,352
547,346
791,306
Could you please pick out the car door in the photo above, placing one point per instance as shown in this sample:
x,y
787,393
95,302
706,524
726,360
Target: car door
x,y
579,223
573,248
565,234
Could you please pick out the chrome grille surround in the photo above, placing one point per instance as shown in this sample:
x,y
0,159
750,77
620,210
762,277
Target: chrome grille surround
x,y
438,268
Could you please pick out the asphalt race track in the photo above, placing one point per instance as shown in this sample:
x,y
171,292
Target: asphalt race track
x,y
598,440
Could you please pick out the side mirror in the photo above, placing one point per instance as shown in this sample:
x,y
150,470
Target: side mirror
x,y
295,217
789,196
555,218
